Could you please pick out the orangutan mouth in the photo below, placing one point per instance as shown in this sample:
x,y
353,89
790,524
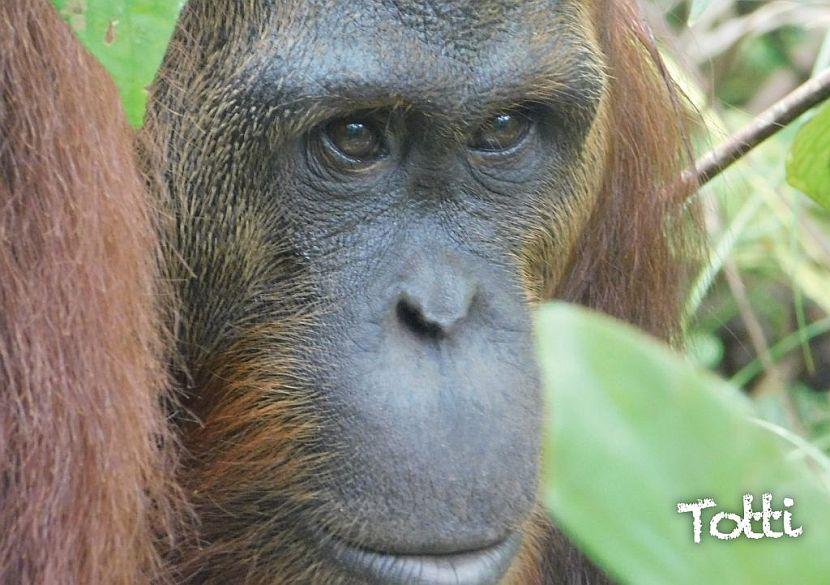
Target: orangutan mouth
x,y
485,566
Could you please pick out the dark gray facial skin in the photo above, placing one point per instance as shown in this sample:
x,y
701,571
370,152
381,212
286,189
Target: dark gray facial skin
x,y
359,179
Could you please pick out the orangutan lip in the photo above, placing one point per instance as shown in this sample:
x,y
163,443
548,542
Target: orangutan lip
x,y
476,567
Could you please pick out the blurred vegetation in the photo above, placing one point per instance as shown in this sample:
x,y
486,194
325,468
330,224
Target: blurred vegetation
x,y
763,321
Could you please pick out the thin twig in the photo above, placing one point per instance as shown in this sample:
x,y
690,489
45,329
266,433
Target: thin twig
x,y
806,96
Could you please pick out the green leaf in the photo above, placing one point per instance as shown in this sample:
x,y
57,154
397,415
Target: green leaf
x,y
697,9
129,37
808,165
635,429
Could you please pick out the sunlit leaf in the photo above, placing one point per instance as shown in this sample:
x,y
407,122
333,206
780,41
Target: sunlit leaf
x,y
129,37
808,166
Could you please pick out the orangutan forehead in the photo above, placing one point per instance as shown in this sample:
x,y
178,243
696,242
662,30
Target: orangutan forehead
x,y
452,58
433,21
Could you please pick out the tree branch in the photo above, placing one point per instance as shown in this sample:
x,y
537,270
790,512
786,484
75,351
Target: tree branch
x,y
806,96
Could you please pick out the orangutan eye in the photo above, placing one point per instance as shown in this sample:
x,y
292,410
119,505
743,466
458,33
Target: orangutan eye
x,y
357,139
501,132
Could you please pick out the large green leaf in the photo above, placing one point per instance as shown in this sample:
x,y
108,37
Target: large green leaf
x,y
634,430
808,166
129,37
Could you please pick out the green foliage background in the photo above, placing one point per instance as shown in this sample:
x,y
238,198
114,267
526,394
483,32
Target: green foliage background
x,y
129,37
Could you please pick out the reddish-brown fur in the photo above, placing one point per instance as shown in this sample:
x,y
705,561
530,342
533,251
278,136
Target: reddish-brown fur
x,y
86,494
630,262
83,482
